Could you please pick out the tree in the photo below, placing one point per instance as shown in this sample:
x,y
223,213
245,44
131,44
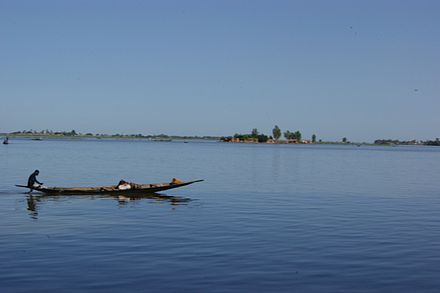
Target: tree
x,y
289,135
254,133
276,132
293,135
262,138
298,135
313,138
344,140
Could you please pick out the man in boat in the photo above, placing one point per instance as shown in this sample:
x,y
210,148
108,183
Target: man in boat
x,y
33,182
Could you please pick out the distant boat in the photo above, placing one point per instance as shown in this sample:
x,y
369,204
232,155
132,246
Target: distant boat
x,y
6,140
37,138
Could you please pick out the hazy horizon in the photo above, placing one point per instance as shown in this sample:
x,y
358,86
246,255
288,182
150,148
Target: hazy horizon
x,y
361,70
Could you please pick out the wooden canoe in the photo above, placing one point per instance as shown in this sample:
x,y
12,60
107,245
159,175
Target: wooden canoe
x,y
140,188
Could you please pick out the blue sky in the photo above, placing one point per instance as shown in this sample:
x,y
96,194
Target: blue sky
x,y
360,69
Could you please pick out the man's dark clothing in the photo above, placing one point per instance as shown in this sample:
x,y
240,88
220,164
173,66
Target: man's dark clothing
x,y
32,180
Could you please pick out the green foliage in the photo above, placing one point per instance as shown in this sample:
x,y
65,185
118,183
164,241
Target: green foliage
x,y
344,140
313,138
254,133
243,136
276,132
250,137
262,138
435,142
293,135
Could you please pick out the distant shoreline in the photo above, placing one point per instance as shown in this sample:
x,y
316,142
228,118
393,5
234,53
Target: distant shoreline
x,y
160,137
163,137
195,138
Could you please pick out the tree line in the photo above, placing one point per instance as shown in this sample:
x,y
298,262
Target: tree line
x,y
435,142
45,132
74,133
256,136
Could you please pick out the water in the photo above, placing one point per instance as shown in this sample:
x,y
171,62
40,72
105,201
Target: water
x,y
267,218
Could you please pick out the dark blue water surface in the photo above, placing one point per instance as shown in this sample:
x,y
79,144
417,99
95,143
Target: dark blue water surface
x,y
267,218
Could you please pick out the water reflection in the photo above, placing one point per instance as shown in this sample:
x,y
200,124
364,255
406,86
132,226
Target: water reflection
x,y
34,201
32,206
157,197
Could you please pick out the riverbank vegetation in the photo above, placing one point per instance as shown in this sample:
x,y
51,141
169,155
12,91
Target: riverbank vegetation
x,y
296,137
435,142
256,137
74,134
